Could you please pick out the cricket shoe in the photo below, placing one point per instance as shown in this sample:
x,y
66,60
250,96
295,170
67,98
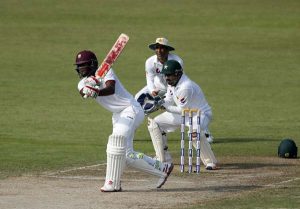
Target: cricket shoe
x,y
167,169
109,187
211,166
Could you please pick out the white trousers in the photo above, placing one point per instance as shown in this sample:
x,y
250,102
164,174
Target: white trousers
x,y
126,122
169,122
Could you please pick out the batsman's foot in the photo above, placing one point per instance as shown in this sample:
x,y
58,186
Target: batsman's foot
x,y
108,187
168,167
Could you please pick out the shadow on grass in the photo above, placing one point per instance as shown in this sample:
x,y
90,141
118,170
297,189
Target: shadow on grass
x,y
219,189
219,140
227,166
242,140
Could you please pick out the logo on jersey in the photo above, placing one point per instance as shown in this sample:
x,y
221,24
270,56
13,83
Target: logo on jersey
x,y
129,117
182,100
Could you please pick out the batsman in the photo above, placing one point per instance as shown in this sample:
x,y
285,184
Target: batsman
x,y
127,115
182,93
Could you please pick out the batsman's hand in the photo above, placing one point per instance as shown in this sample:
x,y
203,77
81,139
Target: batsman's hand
x,y
92,81
89,91
89,87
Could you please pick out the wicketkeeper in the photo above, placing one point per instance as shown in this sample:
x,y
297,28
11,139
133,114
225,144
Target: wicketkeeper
x,y
127,116
181,93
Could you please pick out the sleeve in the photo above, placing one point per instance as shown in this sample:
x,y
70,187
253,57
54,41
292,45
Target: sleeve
x,y
149,76
180,62
170,104
168,99
109,76
184,97
80,85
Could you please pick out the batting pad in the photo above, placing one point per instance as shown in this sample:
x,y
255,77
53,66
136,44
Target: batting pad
x,y
157,139
116,155
138,161
206,154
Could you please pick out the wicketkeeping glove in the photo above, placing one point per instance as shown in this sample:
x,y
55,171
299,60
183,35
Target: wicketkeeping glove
x,y
151,106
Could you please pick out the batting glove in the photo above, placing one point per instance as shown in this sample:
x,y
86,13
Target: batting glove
x,y
90,91
92,81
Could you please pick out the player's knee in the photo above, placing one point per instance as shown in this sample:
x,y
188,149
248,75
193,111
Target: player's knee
x,y
135,155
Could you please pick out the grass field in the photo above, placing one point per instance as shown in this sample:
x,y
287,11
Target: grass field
x,y
244,54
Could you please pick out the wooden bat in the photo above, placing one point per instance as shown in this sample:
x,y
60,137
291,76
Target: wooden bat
x,y
112,56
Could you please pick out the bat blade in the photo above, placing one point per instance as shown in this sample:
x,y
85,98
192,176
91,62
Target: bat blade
x,y
112,56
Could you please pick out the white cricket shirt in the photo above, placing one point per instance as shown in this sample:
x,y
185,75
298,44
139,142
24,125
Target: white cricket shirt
x,y
153,68
116,102
186,94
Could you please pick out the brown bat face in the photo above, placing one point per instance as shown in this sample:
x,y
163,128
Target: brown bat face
x,y
112,56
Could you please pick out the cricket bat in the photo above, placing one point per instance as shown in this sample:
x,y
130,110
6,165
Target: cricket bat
x,y
112,56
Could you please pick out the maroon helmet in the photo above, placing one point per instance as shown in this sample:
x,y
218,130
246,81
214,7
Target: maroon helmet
x,y
86,63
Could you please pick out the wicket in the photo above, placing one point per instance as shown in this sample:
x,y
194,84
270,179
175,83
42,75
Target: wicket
x,y
190,132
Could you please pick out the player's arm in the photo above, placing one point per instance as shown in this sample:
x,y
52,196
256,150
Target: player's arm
x,y
150,81
150,76
109,88
168,99
90,87
110,83
183,101
94,91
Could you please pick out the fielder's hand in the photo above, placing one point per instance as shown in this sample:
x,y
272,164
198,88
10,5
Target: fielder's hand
x,y
154,93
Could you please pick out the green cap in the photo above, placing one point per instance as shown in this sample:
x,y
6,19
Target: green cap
x,y
171,67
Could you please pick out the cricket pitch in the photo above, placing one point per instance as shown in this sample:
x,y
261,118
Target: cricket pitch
x,y
80,187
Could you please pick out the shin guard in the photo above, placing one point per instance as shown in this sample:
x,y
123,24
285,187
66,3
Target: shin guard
x,y
116,155
206,154
159,141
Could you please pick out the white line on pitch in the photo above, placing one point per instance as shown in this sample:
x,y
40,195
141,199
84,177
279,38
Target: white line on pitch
x,y
92,178
74,169
282,182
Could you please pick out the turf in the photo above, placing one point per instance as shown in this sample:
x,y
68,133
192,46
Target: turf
x,y
272,198
244,54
